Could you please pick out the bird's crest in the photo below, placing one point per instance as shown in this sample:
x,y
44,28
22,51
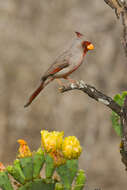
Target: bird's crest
x,y
79,35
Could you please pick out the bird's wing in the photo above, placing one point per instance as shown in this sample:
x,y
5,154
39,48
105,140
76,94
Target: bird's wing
x,y
60,63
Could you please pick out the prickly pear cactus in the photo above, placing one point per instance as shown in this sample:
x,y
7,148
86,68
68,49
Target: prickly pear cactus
x,y
60,157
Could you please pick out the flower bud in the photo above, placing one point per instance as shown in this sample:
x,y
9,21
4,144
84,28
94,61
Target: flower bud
x,y
71,147
24,150
52,141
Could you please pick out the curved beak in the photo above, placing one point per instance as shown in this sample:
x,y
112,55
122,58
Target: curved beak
x,y
90,47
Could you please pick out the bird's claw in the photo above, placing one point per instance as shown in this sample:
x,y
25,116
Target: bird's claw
x,y
61,88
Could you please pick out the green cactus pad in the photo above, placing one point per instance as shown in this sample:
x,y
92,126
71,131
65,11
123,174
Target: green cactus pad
x,y
38,161
5,183
59,186
67,172
27,167
38,184
16,171
49,169
80,180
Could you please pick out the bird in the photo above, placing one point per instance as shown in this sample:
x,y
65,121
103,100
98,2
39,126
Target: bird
x,y
66,63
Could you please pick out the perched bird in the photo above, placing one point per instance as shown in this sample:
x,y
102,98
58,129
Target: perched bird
x,y
66,63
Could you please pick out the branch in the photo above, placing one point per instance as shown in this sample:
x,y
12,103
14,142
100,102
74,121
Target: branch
x,y
120,7
116,5
109,102
95,94
123,150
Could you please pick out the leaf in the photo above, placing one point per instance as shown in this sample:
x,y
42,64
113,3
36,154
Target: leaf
x,y
118,99
115,118
115,123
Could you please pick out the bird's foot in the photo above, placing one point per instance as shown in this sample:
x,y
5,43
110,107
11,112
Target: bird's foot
x,y
72,81
61,88
60,84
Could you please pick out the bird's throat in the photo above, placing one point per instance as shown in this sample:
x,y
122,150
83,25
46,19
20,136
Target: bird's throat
x,y
84,52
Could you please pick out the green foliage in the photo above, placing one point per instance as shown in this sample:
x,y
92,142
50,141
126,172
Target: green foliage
x,y
115,118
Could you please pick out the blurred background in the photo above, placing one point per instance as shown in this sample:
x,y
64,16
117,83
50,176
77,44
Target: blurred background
x,y
32,33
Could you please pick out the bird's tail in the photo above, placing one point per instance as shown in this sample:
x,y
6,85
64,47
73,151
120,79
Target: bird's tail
x,y
34,94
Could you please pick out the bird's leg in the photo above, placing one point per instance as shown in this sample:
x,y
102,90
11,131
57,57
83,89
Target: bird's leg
x,y
70,80
59,82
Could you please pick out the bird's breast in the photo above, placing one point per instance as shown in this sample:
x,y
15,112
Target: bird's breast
x,y
74,62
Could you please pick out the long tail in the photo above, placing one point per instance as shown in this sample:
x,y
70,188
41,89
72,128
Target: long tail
x,y
34,94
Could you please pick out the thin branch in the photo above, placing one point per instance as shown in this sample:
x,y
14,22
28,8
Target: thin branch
x,y
116,5
123,149
109,102
120,7
124,130
95,94
124,22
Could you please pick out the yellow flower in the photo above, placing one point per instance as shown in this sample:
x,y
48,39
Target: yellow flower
x,y
71,147
2,167
52,141
24,150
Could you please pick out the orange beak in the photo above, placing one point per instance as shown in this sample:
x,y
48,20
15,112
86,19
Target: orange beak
x,y
90,47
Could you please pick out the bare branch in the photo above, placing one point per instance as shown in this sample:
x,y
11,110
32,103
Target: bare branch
x,y
123,149
120,7
95,94
116,5
109,102
124,22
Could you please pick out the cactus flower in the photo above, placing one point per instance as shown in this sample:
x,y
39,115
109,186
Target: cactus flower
x,y
58,158
24,150
52,141
2,167
71,147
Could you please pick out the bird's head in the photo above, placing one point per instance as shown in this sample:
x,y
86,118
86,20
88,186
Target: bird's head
x,y
86,45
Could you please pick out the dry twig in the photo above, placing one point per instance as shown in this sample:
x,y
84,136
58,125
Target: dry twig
x,y
120,7
93,93
123,150
109,102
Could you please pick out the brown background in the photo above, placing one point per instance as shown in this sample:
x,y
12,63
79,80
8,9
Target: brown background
x,y
32,33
